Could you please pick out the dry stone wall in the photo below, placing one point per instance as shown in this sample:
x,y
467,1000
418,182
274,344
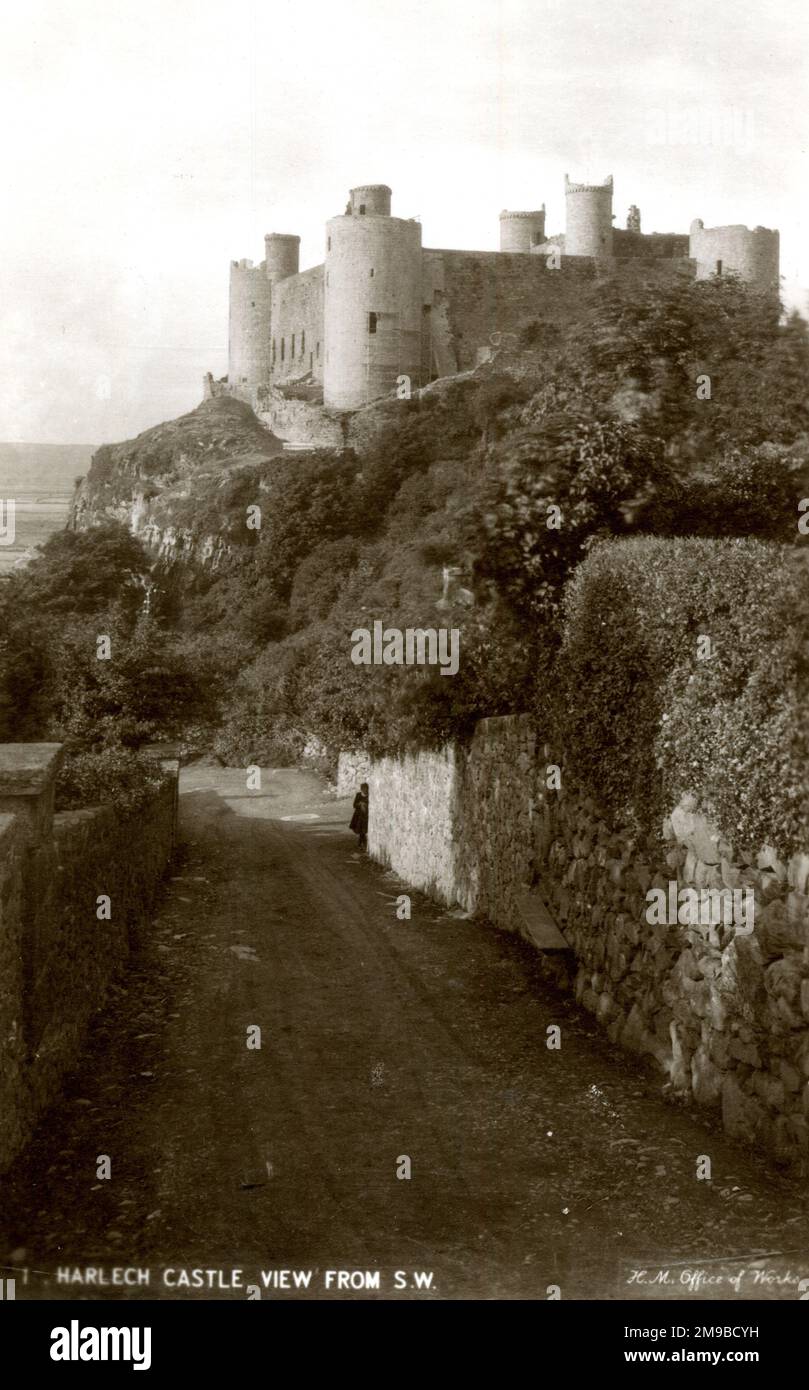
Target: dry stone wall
x,y
13,1130
722,1010
57,958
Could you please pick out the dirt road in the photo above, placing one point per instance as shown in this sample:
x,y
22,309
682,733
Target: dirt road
x,y
386,1044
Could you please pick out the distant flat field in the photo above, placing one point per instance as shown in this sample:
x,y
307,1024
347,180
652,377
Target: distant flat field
x,y
40,478
37,516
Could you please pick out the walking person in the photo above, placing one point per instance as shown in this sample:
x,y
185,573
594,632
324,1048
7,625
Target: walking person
x,y
359,820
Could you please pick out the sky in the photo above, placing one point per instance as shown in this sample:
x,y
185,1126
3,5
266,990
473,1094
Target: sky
x,y
149,142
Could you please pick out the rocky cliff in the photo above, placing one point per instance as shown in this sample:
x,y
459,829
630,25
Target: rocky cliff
x,y
183,487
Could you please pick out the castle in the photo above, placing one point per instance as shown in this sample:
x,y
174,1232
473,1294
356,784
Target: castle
x,y
382,307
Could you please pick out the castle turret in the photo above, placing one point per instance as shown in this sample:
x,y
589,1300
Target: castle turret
x,y
370,200
588,224
282,255
248,326
519,231
633,219
752,255
372,317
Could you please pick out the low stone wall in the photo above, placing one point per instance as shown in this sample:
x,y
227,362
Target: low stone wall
x,y
304,423
57,956
412,820
724,1011
721,1009
459,823
13,1122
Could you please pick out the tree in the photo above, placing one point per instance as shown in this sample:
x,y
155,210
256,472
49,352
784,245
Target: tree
x,y
571,477
82,572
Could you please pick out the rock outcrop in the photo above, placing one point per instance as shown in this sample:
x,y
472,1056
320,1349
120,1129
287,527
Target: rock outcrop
x,y
182,486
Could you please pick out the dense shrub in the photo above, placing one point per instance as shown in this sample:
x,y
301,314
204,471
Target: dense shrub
x,y
642,718
319,579
261,723
747,492
304,502
81,572
113,777
145,690
559,483
662,337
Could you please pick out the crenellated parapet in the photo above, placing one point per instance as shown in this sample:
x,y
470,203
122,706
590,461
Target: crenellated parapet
x,y
522,231
588,219
382,313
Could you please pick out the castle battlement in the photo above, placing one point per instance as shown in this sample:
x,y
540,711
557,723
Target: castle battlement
x,y
587,187
382,310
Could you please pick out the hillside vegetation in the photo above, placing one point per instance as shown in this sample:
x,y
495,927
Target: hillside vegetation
x,y
600,432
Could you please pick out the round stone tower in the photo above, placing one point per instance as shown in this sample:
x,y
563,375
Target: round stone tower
x,y
281,255
519,231
372,316
370,200
248,326
588,222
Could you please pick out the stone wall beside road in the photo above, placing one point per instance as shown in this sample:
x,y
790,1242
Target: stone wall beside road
x,y
58,956
721,1010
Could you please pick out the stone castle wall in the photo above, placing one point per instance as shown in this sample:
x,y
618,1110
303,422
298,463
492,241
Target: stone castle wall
x,y
472,304
447,309
297,313
57,958
632,245
380,307
753,255
722,1015
487,293
303,423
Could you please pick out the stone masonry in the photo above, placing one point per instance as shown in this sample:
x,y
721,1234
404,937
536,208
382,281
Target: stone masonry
x,y
57,958
722,1015
383,313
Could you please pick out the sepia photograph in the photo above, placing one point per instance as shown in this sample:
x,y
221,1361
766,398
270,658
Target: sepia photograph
x,y
404,664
